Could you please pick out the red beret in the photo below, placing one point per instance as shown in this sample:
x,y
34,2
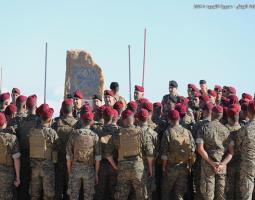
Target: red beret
x,y
231,112
118,105
157,105
108,111
192,86
235,107
212,93
126,113
78,94
142,100
47,113
10,109
16,91
225,100
115,113
148,106
174,115
2,119
251,107
233,99
217,88
21,99
217,109
108,93
132,105
205,98
208,106
181,108
42,108
67,102
247,96
183,100
232,90
197,94
143,115
4,96
86,108
87,116
31,101
139,88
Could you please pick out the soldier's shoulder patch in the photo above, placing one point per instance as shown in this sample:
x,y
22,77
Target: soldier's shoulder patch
x,y
105,139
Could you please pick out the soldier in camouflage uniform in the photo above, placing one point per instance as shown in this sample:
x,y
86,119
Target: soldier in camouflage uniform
x,y
143,117
26,125
64,126
9,161
177,154
131,144
15,94
115,89
107,173
10,113
233,168
247,166
42,152
216,151
207,112
4,101
187,121
82,151
77,99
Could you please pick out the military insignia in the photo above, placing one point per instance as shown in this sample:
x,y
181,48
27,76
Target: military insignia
x,y
105,139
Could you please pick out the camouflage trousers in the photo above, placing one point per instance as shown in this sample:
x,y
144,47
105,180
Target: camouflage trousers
x,y
61,180
131,175
247,175
82,174
107,181
233,181
42,180
196,170
6,182
175,180
212,185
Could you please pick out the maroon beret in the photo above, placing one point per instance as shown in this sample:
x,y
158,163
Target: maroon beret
x,y
183,100
118,105
143,115
115,113
174,115
148,106
235,107
142,100
16,91
78,94
88,116
231,112
31,101
232,90
42,108
191,86
217,109
212,93
251,107
67,102
217,88
47,113
108,93
86,108
21,99
108,111
132,105
197,94
10,109
233,99
157,105
205,98
4,96
126,113
247,96
208,106
2,119
139,88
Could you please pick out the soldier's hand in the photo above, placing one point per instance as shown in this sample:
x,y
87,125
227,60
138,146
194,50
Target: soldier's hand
x,y
96,179
17,182
220,167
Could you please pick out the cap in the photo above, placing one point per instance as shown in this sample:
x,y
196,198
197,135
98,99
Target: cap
x,y
77,94
4,96
139,88
126,113
217,109
87,116
132,105
115,113
181,108
31,101
157,105
118,105
173,83
16,91
204,98
10,109
208,106
108,111
232,90
174,115
217,88
114,85
21,99
47,113
233,99
212,93
96,96
143,114
108,93
202,82
148,106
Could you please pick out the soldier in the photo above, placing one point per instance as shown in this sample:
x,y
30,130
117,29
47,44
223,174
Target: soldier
x,y
247,151
4,101
82,152
132,105
77,99
216,151
244,114
218,90
98,124
64,126
97,103
173,93
9,161
144,117
109,98
186,121
131,144
157,111
26,125
203,87
177,154
10,113
138,93
107,173
207,112
115,90
194,104
119,106
15,94
213,96
42,152
233,168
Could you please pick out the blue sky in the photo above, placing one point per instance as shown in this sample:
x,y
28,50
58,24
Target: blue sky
x,y
183,43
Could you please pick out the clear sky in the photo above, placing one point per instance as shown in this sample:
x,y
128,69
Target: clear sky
x,y
183,43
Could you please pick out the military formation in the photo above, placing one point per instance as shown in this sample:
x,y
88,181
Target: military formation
x,y
199,147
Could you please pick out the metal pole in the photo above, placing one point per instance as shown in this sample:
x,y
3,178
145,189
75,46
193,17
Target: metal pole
x,y
144,55
129,64
45,72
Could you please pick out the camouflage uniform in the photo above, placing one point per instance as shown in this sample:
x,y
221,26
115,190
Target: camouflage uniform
x,y
177,147
42,148
83,148
97,127
64,127
247,165
107,175
187,122
9,149
26,125
233,168
196,169
151,182
77,113
131,144
214,136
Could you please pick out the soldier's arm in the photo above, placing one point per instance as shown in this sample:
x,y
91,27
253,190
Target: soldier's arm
x,y
69,153
108,152
164,148
230,151
97,157
16,159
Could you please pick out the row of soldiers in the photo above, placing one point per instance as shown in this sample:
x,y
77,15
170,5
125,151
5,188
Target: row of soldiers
x,y
137,150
